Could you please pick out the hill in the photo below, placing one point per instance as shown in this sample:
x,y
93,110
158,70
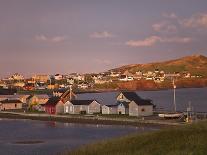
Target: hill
x,y
188,139
195,64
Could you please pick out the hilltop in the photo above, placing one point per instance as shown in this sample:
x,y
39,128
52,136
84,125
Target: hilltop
x,y
195,64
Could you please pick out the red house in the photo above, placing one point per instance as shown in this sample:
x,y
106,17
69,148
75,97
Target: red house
x,y
54,106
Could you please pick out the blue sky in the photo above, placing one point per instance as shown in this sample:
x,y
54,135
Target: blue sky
x,y
64,36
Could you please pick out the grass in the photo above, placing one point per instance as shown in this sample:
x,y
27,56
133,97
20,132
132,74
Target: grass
x,y
185,140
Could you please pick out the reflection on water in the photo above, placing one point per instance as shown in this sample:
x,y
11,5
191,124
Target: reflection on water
x,y
54,137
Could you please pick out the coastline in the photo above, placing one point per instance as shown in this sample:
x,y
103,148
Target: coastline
x,y
138,122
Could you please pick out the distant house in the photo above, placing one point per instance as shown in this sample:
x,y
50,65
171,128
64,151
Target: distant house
x,y
11,104
109,109
82,106
123,108
54,106
141,107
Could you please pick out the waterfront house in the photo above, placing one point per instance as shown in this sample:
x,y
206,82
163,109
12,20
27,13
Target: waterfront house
x,y
82,107
141,107
123,108
109,109
12,104
54,106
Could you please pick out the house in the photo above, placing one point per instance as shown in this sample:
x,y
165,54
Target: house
x,y
109,109
141,107
12,104
82,107
127,96
58,77
123,108
37,99
54,106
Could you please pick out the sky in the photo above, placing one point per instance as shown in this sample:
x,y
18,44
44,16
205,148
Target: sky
x,y
65,36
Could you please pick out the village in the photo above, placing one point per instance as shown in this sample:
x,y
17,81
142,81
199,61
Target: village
x,y
88,81
66,102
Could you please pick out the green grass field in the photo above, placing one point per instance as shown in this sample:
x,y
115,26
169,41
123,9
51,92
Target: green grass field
x,y
185,140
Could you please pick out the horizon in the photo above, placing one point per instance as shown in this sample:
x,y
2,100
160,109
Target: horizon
x,y
67,36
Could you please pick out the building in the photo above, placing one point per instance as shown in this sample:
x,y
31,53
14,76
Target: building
x,y
109,109
37,99
123,108
58,77
82,107
41,78
141,107
13,104
17,77
54,106
127,96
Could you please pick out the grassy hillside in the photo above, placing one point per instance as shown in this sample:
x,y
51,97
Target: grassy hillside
x,y
196,64
189,139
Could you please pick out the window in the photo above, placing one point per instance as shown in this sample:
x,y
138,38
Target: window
x,y
15,105
143,110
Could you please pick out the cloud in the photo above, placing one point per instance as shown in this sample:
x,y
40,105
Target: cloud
x,y
195,21
164,26
170,15
150,41
104,34
55,39
146,42
103,61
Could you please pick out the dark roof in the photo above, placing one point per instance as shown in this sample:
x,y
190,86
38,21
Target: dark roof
x,y
81,102
143,102
131,95
11,101
111,105
60,90
52,101
7,91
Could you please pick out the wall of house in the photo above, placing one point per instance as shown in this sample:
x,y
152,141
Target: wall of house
x,y
122,98
122,110
144,110
59,108
94,107
109,110
11,106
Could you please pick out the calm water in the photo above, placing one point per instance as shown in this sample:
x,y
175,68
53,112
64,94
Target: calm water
x,y
162,99
56,137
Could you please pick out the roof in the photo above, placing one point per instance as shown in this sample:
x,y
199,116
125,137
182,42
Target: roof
x,y
143,102
131,95
81,102
10,101
111,105
60,90
52,101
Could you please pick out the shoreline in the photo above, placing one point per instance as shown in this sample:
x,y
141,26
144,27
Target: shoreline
x,y
91,120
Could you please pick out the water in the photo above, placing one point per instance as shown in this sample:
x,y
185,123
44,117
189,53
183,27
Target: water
x,y
162,99
56,137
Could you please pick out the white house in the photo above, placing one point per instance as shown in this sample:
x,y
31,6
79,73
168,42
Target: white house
x,y
82,106
141,108
109,109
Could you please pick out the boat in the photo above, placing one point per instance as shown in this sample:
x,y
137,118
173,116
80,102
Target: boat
x,y
171,115
174,114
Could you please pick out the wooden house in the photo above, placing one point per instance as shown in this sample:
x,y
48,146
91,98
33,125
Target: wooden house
x,y
12,104
82,107
123,108
54,106
109,109
141,107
